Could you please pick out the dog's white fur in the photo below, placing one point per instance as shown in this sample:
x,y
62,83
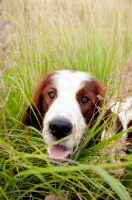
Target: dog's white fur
x,y
66,106
124,112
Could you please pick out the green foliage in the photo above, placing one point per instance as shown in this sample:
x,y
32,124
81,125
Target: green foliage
x,y
91,36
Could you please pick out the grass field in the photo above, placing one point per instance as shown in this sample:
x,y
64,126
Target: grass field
x,y
47,35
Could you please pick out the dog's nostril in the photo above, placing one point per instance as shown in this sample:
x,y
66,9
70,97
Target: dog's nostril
x,y
60,128
67,129
53,128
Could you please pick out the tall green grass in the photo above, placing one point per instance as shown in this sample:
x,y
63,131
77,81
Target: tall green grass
x,y
92,36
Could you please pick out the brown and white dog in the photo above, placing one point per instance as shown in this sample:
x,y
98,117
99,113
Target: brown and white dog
x,y
64,104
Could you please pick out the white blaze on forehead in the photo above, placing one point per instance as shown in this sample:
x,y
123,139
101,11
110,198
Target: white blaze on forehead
x,y
67,80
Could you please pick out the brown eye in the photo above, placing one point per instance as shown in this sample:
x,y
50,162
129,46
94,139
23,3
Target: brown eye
x,y
51,95
85,100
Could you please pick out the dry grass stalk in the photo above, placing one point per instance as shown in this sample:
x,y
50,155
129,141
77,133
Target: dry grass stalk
x,y
120,81
127,78
5,28
120,88
53,197
115,153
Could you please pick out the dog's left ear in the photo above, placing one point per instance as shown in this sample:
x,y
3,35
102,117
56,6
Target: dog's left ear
x,y
100,92
129,138
102,100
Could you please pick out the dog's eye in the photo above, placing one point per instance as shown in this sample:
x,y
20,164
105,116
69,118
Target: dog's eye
x,y
85,100
51,95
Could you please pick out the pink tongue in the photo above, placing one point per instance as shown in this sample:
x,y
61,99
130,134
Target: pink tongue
x,y
59,151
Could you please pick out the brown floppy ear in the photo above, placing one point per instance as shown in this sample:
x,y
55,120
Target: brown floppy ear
x,y
34,114
102,101
33,117
100,93
129,138
117,126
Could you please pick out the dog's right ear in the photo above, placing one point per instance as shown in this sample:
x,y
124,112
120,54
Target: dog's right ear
x,y
34,114
33,117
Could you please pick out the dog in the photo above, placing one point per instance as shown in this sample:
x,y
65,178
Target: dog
x,y
65,103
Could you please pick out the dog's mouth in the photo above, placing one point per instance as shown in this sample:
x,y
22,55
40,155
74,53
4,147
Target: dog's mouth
x,y
60,152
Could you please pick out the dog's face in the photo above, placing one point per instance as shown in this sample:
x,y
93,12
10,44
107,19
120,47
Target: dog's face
x,y
67,101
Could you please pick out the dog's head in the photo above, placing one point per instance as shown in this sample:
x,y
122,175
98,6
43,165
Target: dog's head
x,y
64,103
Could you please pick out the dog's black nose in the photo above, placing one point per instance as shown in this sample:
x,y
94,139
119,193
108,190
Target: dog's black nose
x,y
60,127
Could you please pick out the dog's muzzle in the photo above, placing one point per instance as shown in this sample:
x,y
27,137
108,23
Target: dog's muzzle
x,y
60,128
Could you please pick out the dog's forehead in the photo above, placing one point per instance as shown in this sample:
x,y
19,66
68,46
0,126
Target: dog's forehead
x,y
66,80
